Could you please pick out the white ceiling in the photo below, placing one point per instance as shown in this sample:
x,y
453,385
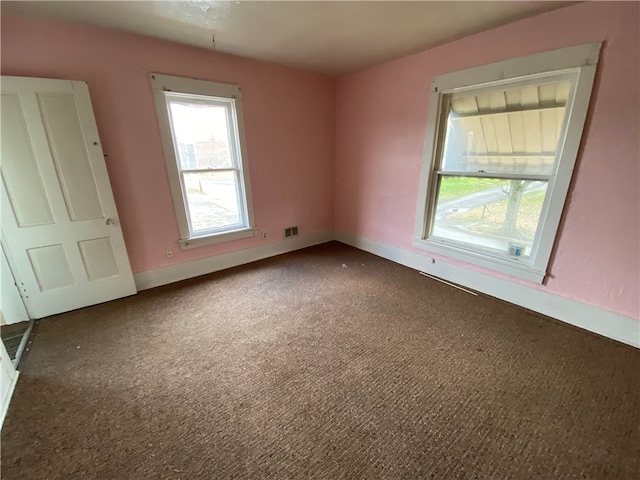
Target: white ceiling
x,y
332,37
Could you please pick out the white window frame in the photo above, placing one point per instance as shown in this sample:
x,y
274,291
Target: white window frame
x,y
165,86
579,62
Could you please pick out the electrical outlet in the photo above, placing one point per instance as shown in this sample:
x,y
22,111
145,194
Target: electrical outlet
x,y
264,235
169,253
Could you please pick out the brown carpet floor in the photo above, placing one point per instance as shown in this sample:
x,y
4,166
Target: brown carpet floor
x,y
297,367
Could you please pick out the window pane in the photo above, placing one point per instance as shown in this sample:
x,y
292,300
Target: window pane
x,y
489,213
213,200
507,130
201,134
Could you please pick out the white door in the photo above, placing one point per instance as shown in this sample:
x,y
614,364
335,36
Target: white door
x,y
8,378
12,309
60,228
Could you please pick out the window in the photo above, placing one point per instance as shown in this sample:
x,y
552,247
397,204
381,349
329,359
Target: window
x,y
501,146
203,139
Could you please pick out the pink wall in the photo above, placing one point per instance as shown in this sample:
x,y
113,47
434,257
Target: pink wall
x,y
289,123
381,119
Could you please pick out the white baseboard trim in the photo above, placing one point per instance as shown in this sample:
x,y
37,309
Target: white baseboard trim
x,y
7,397
195,268
597,320
603,322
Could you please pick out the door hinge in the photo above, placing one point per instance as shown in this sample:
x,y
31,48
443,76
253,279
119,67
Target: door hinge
x,y
22,290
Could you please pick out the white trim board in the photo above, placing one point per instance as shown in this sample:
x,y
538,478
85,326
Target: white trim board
x,y
215,263
608,324
597,320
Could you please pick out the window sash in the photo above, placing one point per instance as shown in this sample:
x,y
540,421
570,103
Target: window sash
x,y
445,113
497,175
230,117
507,111
242,210
502,254
205,170
193,98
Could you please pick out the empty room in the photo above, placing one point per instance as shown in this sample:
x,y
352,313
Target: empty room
x,y
328,240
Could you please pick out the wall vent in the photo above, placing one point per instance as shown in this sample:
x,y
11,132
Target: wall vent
x,y
291,232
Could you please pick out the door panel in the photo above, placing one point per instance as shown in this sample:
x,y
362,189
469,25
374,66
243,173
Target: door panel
x,y
19,169
70,156
50,266
59,220
99,258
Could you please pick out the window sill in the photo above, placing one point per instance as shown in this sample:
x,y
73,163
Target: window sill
x,y
214,238
505,265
